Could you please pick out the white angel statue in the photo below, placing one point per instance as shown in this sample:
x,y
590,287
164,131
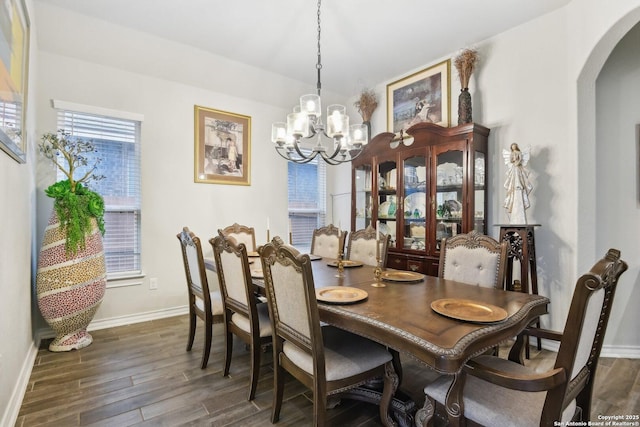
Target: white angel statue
x,y
517,183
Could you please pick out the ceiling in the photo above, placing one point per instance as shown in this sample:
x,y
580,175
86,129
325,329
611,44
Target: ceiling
x,y
363,42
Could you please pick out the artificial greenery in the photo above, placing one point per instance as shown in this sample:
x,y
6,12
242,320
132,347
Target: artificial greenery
x,y
74,203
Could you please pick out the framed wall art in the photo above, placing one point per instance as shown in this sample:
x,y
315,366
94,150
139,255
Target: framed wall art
x,y
222,147
421,97
14,75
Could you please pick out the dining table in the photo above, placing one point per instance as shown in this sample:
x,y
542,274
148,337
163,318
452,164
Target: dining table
x,y
442,323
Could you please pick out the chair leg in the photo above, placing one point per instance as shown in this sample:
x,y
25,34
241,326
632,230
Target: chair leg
x,y
228,345
256,348
319,408
192,330
397,364
207,343
278,390
424,416
391,382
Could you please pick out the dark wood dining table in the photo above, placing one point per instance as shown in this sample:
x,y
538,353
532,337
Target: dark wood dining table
x,y
399,315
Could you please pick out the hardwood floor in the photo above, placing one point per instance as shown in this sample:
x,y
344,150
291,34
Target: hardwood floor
x,y
141,375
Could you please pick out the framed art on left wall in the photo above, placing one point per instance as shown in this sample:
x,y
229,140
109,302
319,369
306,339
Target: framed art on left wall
x,y
14,75
222,147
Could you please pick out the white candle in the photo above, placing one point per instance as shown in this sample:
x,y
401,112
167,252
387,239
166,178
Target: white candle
x,y
267,223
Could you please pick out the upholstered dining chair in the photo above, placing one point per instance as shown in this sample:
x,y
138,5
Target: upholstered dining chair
x,y
500,392
242,234
326,359
473,258
362,246
328,241
203,303
244,317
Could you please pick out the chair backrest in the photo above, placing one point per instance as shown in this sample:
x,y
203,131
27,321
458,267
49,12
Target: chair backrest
x,y
362,246
583,335
195,272
234,276
328,241
473,258
293,307
242,234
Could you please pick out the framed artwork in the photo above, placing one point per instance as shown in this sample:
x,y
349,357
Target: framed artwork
x,y
14,75
222,147
421,97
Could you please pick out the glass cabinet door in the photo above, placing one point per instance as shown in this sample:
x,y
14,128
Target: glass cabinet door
x,y
363,200
388,198
479,193
448,195
414,216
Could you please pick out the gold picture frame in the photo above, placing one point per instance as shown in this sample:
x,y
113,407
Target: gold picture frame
x,y
222,147
14,76
424,96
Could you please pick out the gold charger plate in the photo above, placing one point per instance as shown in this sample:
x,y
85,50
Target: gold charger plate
x,y
469,310
346,263
340,294
253,254
401,276
257,274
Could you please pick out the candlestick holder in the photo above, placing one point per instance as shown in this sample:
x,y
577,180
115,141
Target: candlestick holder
x,y
340,266
377,274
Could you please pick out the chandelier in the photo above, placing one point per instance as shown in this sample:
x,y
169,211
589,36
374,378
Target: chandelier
x,y
336,142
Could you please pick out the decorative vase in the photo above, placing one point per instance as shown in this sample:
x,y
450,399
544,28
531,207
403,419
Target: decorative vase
x,y
70,287
464,106
367,123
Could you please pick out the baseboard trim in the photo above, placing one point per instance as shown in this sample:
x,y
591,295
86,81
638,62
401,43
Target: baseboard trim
x,y
10,415
130,319
613,351
620,351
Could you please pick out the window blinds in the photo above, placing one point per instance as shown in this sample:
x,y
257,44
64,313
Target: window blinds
x,y
307,200
117,146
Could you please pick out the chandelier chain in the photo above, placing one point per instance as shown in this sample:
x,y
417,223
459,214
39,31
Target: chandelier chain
x,y
345,142
319,64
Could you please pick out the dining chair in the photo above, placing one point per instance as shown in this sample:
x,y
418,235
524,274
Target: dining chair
x,y
473,258
328,242
203,303
362,246
242,234
500,392
244,316
325,359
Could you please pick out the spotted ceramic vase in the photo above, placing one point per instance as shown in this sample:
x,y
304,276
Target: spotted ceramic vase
x,y
70,288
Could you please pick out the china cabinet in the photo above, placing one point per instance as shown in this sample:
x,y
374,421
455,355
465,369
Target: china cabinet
x,y
420,189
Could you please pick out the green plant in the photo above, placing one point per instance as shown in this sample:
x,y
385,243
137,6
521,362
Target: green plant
x,y
74,203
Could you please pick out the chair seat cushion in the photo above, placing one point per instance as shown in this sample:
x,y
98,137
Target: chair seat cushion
x,y
491,405
243,323
346,354
216,303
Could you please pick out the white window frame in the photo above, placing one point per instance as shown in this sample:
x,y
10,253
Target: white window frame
x,y
124,278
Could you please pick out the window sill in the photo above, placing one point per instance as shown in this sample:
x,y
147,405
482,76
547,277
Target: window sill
x,y
121,281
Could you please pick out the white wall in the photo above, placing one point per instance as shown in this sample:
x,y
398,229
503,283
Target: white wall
x,y
16,254
617,174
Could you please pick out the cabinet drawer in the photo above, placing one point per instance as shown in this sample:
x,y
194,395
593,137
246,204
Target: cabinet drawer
x,y
399,262
408,263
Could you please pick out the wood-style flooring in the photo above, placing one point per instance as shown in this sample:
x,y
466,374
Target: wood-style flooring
x,y
141,375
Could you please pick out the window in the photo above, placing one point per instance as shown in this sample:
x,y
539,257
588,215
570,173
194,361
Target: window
x,y
117,143
307,200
